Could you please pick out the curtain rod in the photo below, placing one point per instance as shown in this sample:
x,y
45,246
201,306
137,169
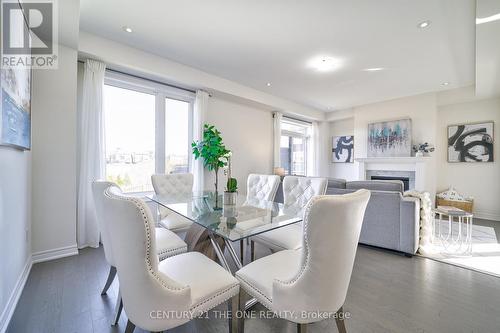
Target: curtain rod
x,y
147,79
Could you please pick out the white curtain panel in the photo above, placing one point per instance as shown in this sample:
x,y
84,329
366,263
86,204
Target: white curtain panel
x,y
200,111
277,117
91,151
318,152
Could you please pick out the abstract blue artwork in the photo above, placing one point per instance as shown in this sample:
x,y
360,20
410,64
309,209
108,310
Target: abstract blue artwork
x,y
15,107
390,138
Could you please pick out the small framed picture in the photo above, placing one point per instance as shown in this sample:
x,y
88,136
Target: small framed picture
x,y
343,149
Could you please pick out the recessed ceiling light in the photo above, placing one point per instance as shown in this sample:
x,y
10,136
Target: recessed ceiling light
x,y
445,83
324,63
481,20
127,29
374,69
268,84
424,24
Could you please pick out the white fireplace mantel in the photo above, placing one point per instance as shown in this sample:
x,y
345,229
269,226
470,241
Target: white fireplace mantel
x,y
416,164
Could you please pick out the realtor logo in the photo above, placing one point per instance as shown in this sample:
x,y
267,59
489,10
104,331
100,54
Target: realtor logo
x,y
29,34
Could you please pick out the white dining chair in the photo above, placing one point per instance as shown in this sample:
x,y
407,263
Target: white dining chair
x,y
168,243
297,191
306,285
158,296
177,184
260,188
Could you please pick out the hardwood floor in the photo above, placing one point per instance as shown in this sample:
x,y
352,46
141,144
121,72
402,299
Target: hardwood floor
x,y
388,293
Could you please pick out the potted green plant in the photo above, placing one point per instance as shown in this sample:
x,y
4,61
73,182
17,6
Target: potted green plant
x,y
213,152
231,192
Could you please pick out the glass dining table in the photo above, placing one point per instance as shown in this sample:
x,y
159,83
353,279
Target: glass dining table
x,y
232,223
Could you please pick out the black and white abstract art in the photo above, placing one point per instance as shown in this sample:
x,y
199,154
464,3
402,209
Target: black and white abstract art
x,y
470,142
343,149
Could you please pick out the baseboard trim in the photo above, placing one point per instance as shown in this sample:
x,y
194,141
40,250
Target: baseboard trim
x,y
10,307
487,216
61,252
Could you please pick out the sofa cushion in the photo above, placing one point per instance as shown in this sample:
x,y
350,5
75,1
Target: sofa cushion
x,y
377,185
336,183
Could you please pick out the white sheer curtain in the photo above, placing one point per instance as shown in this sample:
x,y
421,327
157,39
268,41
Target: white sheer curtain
x,y
319,150
200,111
277,117
91,151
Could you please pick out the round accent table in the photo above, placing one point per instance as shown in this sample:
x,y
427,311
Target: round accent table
x,y
457,238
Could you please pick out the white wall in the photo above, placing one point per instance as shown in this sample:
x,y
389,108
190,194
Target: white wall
x,y
248,132
54,158
348,171
15,222
480,180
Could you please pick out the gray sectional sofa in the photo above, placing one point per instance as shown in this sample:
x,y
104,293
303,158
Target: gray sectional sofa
x,y
391,220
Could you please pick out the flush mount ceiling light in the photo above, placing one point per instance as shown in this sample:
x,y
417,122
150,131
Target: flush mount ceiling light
x,y
481,20
324,63
127,29
424,24
444,84
268,84
374,69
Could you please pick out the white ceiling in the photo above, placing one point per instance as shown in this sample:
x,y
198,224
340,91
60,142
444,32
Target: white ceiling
x,y
260,41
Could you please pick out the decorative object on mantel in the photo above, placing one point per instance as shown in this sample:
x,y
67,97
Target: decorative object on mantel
x,y
426,220
390,138
422,149
343,149
470,142
231,192
453,198
214,154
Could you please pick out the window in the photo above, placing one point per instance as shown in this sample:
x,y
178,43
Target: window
x,y
129,118
294,146
147,130
176,136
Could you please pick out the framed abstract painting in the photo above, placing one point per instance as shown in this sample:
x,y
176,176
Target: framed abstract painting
x,y
15,99
390,138
343,149
470,142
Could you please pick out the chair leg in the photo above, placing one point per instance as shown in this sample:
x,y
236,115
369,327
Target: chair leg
x,y
242,251
242,302
301,328
111,277
339,320
252,251
130,327
233,309
118,309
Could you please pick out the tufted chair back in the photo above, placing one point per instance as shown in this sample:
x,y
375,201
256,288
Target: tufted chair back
x,y
176,184
98,188
262,187
297,191
142,286
331,228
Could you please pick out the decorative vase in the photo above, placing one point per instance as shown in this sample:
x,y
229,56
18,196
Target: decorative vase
x,y
419,154
230,198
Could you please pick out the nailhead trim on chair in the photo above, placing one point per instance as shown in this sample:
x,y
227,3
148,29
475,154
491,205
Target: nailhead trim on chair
x,y
257,293
165,253
305,264
140,205
194,307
